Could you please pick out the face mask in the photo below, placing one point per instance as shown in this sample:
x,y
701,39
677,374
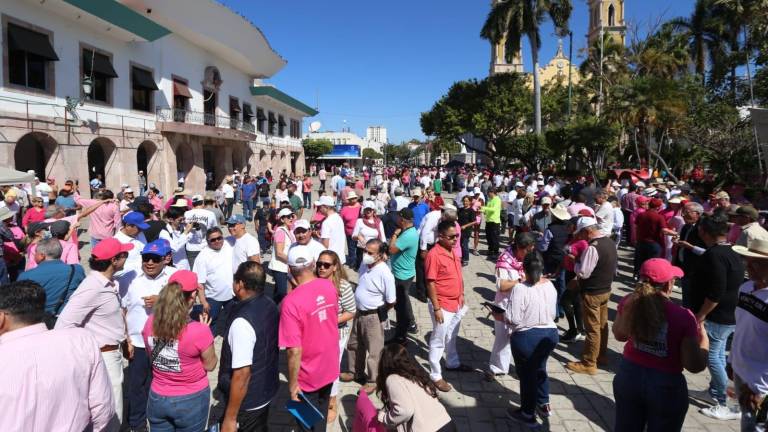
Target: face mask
x,y
368,259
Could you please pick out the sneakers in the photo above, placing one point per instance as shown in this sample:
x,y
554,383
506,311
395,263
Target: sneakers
x,y
413,329
346,377
572,336
519,416
720,412
581,368
544,411
443,386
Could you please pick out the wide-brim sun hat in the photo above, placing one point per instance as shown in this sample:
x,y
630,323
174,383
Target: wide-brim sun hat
x,y
757,248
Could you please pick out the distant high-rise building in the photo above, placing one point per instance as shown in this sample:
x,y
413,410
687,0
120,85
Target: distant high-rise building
x,y
376,133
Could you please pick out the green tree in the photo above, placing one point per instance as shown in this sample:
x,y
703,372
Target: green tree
x,y
493,109
314,148
703,30
514,19
530,149
371,154
396,153
586,140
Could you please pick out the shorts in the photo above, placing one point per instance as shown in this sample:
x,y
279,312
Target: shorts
x,y
511,222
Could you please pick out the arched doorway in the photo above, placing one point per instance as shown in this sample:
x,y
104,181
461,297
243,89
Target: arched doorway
x,y
185,160
145,161
100,153
33,152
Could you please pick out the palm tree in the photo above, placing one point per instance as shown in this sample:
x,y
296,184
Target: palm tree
x,y
704,32
517,18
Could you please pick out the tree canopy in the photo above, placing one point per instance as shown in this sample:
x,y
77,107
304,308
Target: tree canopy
x,y
314,148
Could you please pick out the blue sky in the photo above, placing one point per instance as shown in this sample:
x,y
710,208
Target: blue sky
x,y
384,62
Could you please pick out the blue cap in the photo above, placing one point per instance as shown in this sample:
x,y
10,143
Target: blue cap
x,y
158,247
135,218
236,219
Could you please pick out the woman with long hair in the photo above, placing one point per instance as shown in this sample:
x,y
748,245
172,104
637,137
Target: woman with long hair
x,y
282,240
530,314
467,219
329,266
409,395
477,202
662,339
281,192
182,353
367,227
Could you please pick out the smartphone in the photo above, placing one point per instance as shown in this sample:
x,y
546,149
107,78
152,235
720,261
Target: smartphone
x,y
493,307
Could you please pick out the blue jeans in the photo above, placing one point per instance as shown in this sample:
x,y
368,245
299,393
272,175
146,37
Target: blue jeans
x,y
247,207
531,349
307,199
718,338
4,277
281,285
649,397
351,252
188,413
139,376
465,236
94,242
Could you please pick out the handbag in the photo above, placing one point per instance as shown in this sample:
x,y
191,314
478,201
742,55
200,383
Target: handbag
x,y
50,318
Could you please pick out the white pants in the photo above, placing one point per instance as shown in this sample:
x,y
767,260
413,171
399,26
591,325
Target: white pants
x,y
501,353
113,360
443,338
344,333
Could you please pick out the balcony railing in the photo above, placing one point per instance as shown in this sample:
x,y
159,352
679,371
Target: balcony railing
x,y
202,118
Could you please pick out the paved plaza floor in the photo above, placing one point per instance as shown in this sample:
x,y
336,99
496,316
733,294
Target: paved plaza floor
x,y
580,402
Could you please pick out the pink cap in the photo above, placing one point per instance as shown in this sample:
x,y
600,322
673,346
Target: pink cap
x,y
186,278
642,199
656,203
109,248
659,270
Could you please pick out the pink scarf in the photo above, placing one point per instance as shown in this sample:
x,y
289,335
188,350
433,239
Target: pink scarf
x,y
507,261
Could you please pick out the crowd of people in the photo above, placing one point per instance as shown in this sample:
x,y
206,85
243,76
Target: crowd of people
x,y
131,340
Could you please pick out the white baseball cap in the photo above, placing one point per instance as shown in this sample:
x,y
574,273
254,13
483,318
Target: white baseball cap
x,y
197,198
301,223
300,256
449,207
325,200
124,185
416,192
127,190
369,205
519,185
546,200
284,212
585,222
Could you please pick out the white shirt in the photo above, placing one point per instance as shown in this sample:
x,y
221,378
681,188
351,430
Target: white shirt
x,y
281,195
334,180
133,287
315,246
43,189
229,191
214,272
206,219
365,233
242,339
604,216
749,350
243,248
552,190
375,287
428,228
618,219
425,181
402,202
134,255
321,174
333,230
177,240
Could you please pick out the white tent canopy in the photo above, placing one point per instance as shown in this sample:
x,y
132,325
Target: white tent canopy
x,y
10,176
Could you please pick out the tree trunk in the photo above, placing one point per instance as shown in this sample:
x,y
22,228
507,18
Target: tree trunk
x,y
536,84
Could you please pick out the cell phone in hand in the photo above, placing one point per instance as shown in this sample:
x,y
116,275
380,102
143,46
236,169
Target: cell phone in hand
x,y
494,308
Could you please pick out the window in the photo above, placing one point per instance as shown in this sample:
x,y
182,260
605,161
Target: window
x,y
234,112
99,68
272,130
181,97
281,126
29,57
142,89
209,107
247,113
611,16
260,117
295,129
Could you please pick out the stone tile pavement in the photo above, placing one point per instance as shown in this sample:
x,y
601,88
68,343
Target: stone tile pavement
x,y
580,402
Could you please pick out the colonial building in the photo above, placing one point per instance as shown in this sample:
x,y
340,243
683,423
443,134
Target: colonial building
x,y
170,87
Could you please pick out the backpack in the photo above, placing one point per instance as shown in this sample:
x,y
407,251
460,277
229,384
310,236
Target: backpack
x,y
264,189
153,232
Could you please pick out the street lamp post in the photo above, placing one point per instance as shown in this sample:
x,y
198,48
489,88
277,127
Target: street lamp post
x,y
570,66
600,93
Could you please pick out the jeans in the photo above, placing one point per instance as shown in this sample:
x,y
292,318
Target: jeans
x,y
307,199
749,418
319,398
647,397
4,277
351,252
139,377
281,285
228,209
465,236
644,251
421,283
492,236
531,349
94,242
718,338
247,209
403,310
253,421
322,185
188,413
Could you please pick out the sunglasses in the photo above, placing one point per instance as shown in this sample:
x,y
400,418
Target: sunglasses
x,y
153,258
451,237
300,231
215,239
323,265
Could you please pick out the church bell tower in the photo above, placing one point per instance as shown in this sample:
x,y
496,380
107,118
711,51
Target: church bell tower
x,y
499,63
606,16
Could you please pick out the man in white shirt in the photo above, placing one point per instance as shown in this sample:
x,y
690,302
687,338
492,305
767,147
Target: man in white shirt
x,y
402,202
126,200
604,213
229,197
375,293
245,247
321,175
332,233
202,220
131,233
138,292
334,181
43,191
214,272
303,233
427,239
552,188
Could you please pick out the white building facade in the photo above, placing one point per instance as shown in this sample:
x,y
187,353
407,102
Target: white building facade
x,y
176,91
376,134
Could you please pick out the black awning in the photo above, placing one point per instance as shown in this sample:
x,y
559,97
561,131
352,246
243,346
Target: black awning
x,y
247,110
272,118
234,106
143,79
23,39
282,122
101,64
260,114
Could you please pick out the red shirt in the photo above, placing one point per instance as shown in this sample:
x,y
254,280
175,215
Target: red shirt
x,y
32,215
437,203
443,267
649,227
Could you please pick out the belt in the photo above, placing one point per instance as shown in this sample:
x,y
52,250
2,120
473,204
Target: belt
x,y
367,312
108,348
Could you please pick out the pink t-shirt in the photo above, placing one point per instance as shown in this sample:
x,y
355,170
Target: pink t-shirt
x,y
575,248
349,214
178,368
664,353
308,320
69,254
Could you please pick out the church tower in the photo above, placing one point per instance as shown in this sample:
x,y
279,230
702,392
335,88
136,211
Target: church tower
x,y
499,63
607,15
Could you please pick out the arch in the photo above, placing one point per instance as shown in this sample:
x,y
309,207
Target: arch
x,y
262,155
185,160
34,151
273,155
282,155
212,79
611,15
145,159
101,154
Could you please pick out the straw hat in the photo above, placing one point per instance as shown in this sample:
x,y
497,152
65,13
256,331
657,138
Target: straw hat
x,y
757,248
